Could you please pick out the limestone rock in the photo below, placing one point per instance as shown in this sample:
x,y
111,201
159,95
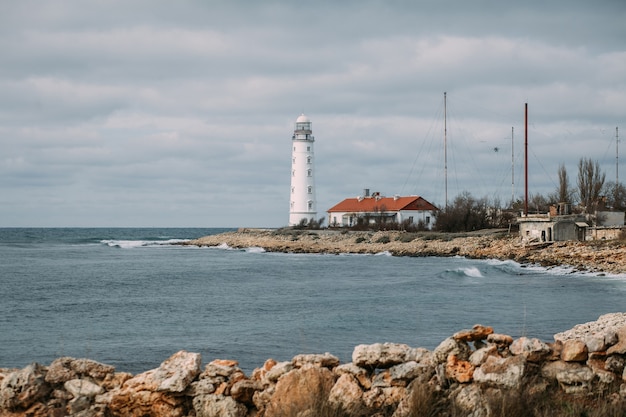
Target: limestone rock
x,y
380,355
470,400
177,372
278,370
218,406
419,355
201,387
22,388
534,350
450,346
620,346
500,340
300,390
325,360
501,372
220,367
82,388
479,356
67,368
346,393
459,370
574,351
605,325
260,373
153,392
478,332
409,371
361,374
243,391
573,377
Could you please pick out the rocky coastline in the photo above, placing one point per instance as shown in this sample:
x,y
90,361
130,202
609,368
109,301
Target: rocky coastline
x,y
475,372
600,256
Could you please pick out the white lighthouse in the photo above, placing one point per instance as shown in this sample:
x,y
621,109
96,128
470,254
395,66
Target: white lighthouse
x,y
303,204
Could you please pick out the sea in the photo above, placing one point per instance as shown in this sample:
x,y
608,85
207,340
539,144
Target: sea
x,y
132,297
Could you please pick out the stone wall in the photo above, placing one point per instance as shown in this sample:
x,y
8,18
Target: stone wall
x,y
588,359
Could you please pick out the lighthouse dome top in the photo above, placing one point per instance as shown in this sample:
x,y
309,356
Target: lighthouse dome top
x,y
303,119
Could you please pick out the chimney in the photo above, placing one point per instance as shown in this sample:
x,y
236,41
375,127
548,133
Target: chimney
x,y
366,192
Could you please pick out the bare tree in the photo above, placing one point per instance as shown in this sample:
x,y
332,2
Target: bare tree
x,y
564,192
615,195
590,183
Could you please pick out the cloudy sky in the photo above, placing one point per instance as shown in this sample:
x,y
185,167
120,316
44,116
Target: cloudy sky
x,y
180,113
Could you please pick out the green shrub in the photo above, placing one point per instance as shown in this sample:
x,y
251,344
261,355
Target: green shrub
x,y
383,239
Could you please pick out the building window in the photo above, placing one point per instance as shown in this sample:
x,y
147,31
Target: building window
x,y
293,173
427,219
308,149
310,204
310,189
291,204
308,160
294,160
309,173
293,190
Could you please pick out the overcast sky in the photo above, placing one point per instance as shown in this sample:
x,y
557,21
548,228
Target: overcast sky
x,y
180,113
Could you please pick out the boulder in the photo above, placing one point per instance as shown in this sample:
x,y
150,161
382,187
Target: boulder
x,y
66,368
300,390
260,373
220,368
450,346
325,360
574,351
533,350
218,406
346,394
501,372
154,392
82,388
22,388
361,374
381,355
620,346
243,391
469,400
477,333
605,325
573,377
459,370
406,372
278,370
479,356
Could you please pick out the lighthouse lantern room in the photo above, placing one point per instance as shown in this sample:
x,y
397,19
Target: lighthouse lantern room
x,y
303,205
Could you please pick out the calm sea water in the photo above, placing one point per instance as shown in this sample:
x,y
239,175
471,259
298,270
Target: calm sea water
x,y
129,298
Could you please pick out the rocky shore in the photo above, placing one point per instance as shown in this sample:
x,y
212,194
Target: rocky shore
x,y
475,372
593,256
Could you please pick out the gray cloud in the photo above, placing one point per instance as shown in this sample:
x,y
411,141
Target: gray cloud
x,y
152,113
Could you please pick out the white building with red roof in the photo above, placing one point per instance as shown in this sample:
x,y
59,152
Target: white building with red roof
x,y
376,209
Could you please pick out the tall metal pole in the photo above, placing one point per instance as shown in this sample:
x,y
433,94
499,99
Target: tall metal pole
x,y
526,159
616,156
616,165
512,169
445,145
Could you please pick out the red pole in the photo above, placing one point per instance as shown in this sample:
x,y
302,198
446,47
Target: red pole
x,y
526,159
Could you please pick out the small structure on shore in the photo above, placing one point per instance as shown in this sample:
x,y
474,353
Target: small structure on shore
x,y
376,209
557,225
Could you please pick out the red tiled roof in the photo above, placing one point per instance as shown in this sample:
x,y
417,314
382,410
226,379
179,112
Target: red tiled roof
x,y
371,204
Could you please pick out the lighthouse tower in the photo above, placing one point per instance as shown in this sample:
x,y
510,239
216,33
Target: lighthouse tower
x,y
303,204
